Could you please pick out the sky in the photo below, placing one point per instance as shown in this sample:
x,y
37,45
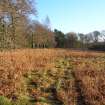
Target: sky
x,y
81,16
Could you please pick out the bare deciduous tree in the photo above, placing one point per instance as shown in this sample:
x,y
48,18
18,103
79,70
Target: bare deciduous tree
x,y
17,11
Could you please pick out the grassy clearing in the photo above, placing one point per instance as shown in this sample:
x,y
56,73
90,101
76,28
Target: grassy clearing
x,y
52,77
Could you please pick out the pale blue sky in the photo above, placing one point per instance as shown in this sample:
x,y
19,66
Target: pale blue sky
x,y
73,15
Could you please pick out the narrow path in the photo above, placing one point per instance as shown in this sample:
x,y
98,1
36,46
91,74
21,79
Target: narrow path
x,y
50,99
64,72
53,99
80,97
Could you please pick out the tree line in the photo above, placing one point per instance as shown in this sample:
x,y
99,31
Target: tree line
x,y
91,41
17,30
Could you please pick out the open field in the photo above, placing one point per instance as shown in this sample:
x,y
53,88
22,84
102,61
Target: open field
x,y
52,77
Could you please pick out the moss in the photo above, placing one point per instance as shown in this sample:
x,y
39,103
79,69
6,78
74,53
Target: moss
x,y
4,101
44,100
23,100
